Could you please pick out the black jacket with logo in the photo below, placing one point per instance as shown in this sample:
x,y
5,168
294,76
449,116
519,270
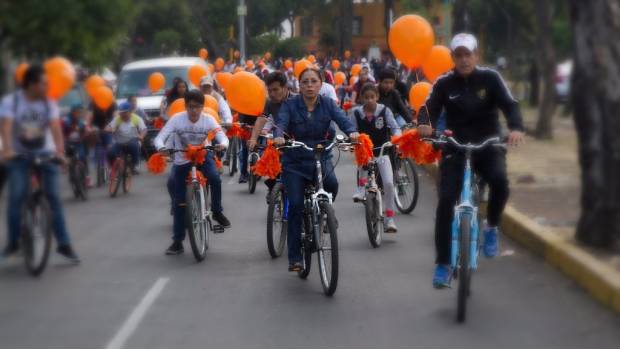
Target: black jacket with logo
x,y
471,105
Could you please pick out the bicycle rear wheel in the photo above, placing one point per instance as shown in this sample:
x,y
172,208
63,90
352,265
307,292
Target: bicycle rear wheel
x,y
374,226
276,223
328,249
232,157
196,226
406,184
252,179
116,176
36,233
464,271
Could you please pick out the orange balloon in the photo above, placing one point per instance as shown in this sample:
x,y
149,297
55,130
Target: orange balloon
x,y
347,54
418,94
210,111
92,83
219,64
288,64
203,53
20,71
411,39
438,62
340,78
223,79
211,102
195,73
300,66
157,81
247,94
177,106
103,97
335,64
249,64
356,69
311,58
60,76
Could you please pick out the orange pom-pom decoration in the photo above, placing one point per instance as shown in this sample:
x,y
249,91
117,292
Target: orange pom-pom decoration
x,y
237,131
410,146
201,178
363,150
156,164
218,162
347,105
268,164
158,123
196,154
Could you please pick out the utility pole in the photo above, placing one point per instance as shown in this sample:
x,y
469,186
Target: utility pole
x,y
242,11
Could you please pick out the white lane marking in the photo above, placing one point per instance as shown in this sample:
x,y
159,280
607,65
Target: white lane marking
x,y
137,314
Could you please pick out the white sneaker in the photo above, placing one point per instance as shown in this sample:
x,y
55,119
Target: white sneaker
x,y
359,194
390,225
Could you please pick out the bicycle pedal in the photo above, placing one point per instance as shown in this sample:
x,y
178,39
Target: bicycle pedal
x,y
217,229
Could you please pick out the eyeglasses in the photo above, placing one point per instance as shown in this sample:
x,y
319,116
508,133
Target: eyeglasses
x,y
194,107
310,82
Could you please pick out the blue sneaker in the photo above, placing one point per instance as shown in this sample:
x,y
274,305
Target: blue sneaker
x,y
490,247
442,276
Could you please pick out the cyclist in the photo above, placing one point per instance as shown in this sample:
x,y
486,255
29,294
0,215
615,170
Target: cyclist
x,y
379,123
390,97
178,90
128,130
75,131
278,91
31,126
471,96
306,118
191,128
99,118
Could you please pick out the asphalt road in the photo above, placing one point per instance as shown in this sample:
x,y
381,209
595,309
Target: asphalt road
x,y
127,293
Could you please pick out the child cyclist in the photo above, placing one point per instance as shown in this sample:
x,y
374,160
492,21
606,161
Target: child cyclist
x,y
378,122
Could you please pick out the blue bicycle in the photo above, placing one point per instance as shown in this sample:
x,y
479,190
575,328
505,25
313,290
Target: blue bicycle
x,y
465,225
277,218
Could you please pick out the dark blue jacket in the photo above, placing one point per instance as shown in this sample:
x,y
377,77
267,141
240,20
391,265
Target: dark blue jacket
x,y
313,128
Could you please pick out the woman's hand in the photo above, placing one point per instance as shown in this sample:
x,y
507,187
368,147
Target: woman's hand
x,y
354,136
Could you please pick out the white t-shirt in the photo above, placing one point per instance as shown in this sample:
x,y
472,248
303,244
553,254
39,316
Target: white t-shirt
x,y
328,90
31,122
184,132
126,131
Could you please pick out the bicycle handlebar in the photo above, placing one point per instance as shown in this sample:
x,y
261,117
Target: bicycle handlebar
x,y
443,140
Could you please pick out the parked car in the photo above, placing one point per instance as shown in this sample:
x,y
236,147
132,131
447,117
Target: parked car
x,y
133,80
563,73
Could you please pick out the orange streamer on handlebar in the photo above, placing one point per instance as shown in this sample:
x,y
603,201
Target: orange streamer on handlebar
x,y
363,150
237,131
268,164
156,164
411,146
196,154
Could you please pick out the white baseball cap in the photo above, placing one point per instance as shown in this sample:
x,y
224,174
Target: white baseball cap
x,y
465,40
206,80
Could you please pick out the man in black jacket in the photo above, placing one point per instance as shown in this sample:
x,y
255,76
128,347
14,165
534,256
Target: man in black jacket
x,y
390,97
471,96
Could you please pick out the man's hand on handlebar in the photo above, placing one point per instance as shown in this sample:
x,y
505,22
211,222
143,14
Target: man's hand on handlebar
x,y
354,136
279,141
425,130
251,144
219,147
515,138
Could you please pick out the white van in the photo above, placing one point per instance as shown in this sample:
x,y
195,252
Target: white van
x,y
133,80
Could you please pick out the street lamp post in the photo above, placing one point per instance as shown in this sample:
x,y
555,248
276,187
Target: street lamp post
x,y
242,11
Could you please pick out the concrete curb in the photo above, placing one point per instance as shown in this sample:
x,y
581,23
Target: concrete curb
x,y
601,281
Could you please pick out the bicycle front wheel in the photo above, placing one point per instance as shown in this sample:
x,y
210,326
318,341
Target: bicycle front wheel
x,y
196,225
127,176
374,225
276,222
252,179
406,184
464,271
81,181
36,233
328,248
116,176
306,248
232,157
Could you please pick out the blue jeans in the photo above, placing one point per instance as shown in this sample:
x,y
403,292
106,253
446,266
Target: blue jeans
x,y
19,182
243,158
132,147
294,186
102,146
180,174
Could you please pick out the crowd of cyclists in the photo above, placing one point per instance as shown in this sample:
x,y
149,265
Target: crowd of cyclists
x,y
305,108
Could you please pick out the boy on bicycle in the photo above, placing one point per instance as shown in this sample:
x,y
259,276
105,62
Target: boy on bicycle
x,y
75,131
378,122
128,130
192,128
471,96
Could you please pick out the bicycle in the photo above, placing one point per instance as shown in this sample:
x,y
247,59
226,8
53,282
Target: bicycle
x,y
373,200
36,229
406,183
77,174
319,221
465,225
198,220
277,220
121,172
